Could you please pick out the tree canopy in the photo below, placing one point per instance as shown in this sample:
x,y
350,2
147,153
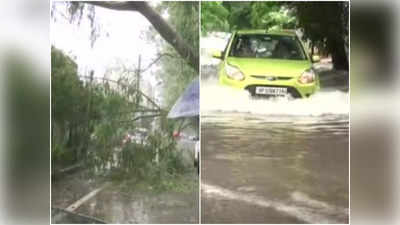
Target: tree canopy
x,y
176,73
228,16
323,24
326,25
92,116
180,45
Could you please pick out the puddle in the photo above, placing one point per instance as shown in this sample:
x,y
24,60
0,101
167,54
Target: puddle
x,y
127,205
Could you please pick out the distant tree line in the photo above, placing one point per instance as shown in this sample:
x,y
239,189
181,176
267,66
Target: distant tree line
x,y
323,24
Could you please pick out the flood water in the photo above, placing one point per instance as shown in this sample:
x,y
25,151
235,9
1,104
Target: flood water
x,y
143,207
274,161
124,203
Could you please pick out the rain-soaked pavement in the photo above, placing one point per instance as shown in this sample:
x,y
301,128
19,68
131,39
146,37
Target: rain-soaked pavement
x,y
138,207
257,170
129,201
274,161
122,203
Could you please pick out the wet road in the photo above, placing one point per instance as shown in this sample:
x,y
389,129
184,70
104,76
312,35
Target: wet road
x,y
125,202
143,207
260,168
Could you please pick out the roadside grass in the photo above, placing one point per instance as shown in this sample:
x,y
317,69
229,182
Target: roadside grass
x,y
171,174
180,183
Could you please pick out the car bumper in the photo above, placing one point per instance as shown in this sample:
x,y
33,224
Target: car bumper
x,y
294,88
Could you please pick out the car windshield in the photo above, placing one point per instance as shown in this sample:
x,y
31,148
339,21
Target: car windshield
x,y
267,46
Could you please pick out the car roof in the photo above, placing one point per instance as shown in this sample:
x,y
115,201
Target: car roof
x,y
274,32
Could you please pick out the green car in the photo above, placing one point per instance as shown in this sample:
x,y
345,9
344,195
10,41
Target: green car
x,y
268,64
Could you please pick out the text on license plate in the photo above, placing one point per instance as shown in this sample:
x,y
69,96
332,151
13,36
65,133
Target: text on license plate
x,y
271,90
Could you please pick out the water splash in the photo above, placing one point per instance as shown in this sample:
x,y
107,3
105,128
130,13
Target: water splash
x,y
217,98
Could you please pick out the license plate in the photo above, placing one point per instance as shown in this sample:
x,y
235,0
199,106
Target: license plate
x,y
271,91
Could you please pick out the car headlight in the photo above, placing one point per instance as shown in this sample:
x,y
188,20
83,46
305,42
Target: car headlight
x,y
307,77
233,72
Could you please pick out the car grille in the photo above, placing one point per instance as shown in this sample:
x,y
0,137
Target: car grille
x,y
271,78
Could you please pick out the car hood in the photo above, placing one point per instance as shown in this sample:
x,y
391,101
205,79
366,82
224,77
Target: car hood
x,y
275,67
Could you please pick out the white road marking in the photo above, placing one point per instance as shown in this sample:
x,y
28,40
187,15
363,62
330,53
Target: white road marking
x,y
86,198
309,210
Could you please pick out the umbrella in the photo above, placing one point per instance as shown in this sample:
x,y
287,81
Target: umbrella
x,y
188,103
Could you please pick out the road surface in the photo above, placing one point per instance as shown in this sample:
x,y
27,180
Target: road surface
x,y
274,161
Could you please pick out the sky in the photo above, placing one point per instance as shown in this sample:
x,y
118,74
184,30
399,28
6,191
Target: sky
x,y
126,40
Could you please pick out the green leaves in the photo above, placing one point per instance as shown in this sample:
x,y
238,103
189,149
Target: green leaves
x,y
214,17
91,118
324,24
175,72
228,16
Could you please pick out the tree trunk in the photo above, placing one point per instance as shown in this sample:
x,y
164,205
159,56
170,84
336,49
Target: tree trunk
x,y
312,48
339,58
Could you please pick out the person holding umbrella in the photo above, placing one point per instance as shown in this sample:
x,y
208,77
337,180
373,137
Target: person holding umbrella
x,y
187,108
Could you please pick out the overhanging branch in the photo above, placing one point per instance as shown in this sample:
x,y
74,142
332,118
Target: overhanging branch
x,y
136,90
123,6
163,28
156,60
141,117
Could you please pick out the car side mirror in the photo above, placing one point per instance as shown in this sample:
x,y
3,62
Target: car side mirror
x,y
315,58
217,54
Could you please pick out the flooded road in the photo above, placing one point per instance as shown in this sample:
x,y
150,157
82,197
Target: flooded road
x,y
274,161
125,202
114,206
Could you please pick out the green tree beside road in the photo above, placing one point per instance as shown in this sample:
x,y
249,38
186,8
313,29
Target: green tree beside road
x,y
93,115
323,24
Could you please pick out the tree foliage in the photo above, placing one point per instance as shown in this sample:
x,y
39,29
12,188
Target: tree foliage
x,y
92,116
175,73
229,16
214,17
271,15
324,24
180,33
91,119
164,29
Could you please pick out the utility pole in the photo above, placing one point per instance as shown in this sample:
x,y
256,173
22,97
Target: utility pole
x,y
138,71
138,79
89,106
